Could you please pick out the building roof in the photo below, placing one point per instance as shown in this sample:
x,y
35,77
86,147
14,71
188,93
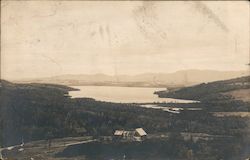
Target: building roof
x,y
141,132
118,133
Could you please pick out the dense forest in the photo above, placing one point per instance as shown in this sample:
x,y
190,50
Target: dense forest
x,y
175,148
43,111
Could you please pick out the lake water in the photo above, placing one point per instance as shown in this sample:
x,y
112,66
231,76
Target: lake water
x,y
122,94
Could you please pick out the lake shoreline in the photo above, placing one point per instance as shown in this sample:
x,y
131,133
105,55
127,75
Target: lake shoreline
x,y
131,95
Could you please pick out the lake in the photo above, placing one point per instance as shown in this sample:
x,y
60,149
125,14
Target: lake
x,y
123,94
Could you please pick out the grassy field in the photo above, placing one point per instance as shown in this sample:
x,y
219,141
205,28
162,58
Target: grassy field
x,y
41,150
241,94
232,114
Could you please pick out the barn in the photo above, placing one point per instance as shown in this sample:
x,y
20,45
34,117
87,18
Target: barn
x,y
140,134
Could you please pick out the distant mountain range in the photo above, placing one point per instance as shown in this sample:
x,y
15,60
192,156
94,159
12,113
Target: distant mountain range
x,y
176,79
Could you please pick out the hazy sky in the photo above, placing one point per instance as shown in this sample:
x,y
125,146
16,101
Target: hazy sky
x,y
46,38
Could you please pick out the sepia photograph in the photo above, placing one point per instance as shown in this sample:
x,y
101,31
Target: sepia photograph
x,y
124,80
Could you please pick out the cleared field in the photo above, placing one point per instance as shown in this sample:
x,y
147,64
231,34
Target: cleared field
x,y
225,114
40,150
241,94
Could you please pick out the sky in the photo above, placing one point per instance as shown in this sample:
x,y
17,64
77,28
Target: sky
x,y
48,38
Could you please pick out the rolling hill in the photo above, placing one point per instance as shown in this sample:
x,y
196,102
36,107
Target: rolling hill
x,y
227,89
176,79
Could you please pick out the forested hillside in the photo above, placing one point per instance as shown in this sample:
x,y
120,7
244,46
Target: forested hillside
x,y
43,111
209,91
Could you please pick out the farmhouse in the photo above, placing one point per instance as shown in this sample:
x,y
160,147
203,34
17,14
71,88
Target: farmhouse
x,y
136,135
118,133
